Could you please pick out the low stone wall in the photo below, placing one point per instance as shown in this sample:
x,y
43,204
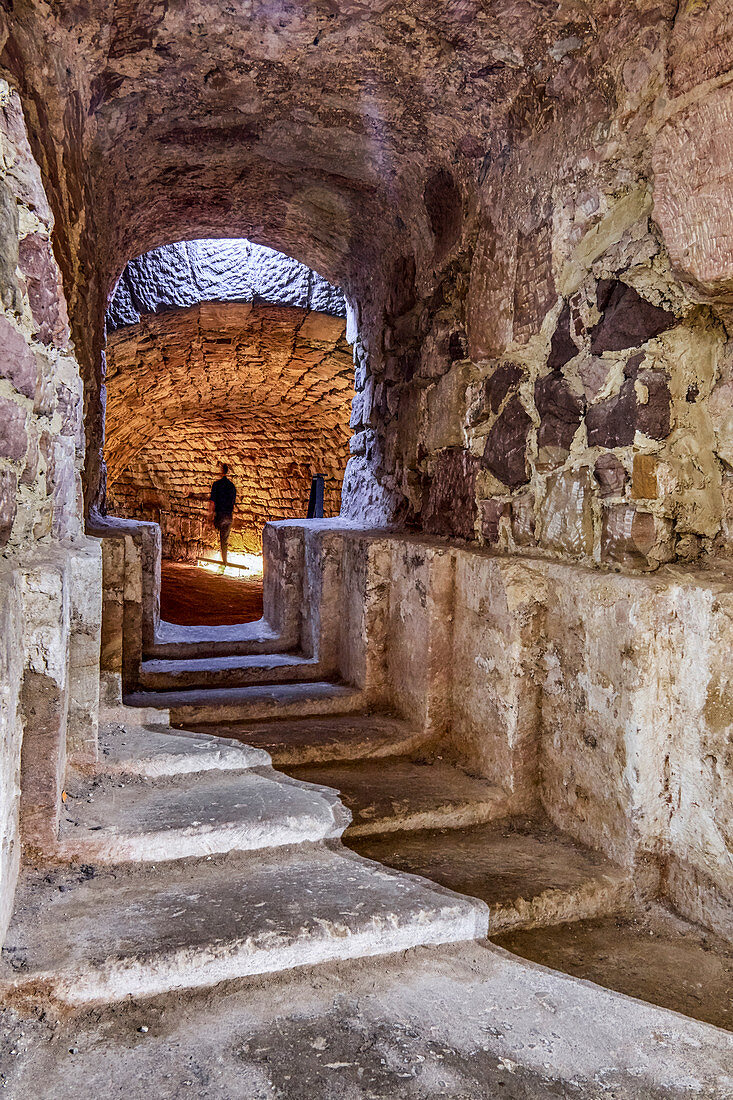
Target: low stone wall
x,y
50,615
131,554
603,700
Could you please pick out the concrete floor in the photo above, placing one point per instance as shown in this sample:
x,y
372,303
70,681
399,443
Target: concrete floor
x,y
467,1022
190,596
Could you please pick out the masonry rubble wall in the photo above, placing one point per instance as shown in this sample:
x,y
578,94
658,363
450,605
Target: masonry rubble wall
x,y
50,572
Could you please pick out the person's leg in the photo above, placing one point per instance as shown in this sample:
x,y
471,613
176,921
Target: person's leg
x,y
224,529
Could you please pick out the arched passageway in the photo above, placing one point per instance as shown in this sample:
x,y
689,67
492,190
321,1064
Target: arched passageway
x,y
236,354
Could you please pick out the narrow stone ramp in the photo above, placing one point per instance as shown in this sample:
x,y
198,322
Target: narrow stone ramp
x,y
143,931
399,794
319,740
529,874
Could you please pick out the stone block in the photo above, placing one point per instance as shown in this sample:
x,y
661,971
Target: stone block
x,y
45,295
13,435
21,170
701,44
644,477
566,513
562,347
496,388
534,287
560,411
419,628
612,423
653,414
523,520
17,361
635,538
628,320
505,450
495,698
43,704
594,373
84,582
490,299
451,506
11,734
611,475
692,158
493,511
8,503
9,291
446,404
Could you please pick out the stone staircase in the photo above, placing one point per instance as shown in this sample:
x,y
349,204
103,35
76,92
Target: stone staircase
x,y
409,808
186,859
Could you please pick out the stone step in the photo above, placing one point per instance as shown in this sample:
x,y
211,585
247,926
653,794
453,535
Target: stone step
x,y
207,706
237,671
146,931
397,793
143,820
529,874
192,642
154,749
345,737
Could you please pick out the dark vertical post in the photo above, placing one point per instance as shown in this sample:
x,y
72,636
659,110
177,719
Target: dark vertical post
x,y
315,504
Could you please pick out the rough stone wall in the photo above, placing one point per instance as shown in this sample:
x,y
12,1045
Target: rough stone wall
x,y
554,371
49,572
41,433
590,437
265,388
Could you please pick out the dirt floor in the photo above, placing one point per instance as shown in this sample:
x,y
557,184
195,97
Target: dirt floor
x,y
652,955
463,1022
190,596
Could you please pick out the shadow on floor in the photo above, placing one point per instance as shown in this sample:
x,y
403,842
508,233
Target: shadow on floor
x,y
190,596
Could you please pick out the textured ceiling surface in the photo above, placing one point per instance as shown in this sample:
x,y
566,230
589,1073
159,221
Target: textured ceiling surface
x,y
344,133
401,148
189,272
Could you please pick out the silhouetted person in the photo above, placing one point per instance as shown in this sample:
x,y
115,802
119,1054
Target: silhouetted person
x,y
221,506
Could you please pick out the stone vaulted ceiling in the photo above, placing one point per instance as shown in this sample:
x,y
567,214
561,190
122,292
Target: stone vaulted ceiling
x,y
396,146
266,388
344,133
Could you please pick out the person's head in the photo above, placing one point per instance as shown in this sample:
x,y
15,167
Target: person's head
x,y
223,468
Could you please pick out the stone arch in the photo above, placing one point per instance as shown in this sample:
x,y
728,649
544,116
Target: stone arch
x,y
263,384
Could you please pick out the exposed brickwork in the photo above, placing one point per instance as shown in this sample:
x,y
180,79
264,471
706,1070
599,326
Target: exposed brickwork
x,y
265,388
